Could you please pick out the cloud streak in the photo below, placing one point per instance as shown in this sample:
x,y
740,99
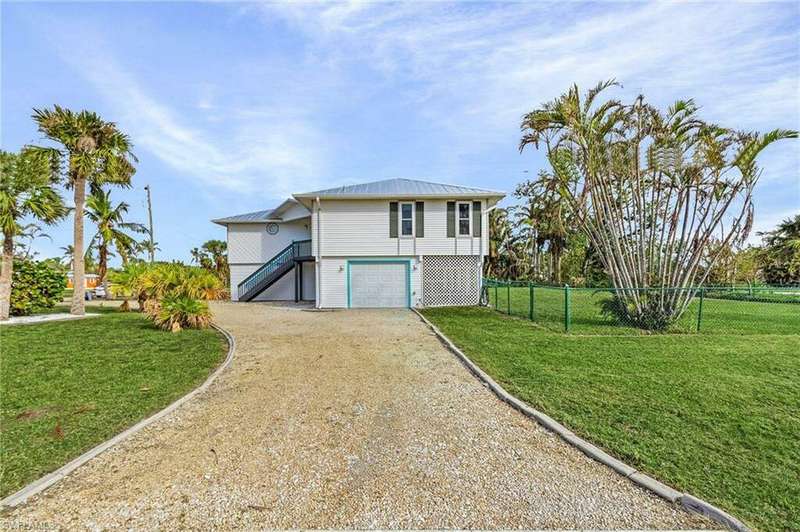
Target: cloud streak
x,y
255,150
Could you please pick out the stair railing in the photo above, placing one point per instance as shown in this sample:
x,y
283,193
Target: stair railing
x,y
298,248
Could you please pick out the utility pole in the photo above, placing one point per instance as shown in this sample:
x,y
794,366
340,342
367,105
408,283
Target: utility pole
x,y
150,218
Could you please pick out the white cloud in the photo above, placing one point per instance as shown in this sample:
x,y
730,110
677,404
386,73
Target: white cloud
x,y
472,70
253,151
492,63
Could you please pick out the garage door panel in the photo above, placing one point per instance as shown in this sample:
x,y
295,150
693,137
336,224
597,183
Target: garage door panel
x,y
378,285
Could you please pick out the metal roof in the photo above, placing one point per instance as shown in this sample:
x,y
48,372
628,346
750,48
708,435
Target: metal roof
x,y
246,218
388,188
399,188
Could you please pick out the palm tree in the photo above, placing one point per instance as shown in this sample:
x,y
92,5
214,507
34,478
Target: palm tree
x,y
143,247
649,189
96,152
27,188
551,217
780,256
111,228
69,252
213,255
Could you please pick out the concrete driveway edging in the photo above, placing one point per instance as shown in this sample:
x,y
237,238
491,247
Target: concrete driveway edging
x,y
38,486
687,501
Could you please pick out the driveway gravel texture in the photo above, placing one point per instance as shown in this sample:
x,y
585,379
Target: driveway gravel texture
x,y
345,419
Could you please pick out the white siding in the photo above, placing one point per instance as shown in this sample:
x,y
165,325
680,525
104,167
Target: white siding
x,y
361,228
251,244
295,211
333,280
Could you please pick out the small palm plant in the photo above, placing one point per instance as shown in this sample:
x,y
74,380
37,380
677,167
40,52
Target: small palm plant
x,y
127,283
172,295
177,312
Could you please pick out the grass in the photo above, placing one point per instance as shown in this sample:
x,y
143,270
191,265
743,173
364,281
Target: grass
x,y
715,414
68,386
719,316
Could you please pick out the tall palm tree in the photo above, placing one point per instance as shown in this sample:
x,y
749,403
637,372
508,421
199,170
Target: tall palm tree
x,y
111,230
27,188
97,153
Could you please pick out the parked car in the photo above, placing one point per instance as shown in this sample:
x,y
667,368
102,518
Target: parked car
x,y
95,293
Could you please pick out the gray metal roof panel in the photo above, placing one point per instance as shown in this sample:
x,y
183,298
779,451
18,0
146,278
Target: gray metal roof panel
x,y
248,217
402,187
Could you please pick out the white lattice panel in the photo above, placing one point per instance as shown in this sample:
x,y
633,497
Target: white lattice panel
x,y
450,280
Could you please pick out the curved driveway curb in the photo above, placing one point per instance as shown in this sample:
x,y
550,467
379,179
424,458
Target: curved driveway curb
x,y
690,503
37,486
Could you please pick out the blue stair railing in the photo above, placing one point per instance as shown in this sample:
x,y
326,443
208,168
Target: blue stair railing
x,y
275,267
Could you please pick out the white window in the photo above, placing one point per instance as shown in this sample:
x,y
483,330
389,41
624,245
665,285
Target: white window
x,y
406,219
464,220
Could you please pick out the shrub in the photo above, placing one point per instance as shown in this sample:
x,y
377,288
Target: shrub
x,y
126,283
653,313
35,286
177,312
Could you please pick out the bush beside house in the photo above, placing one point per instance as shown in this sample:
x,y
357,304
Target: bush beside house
x,y
36,286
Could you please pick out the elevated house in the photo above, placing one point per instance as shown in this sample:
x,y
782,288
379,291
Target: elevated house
x,y
391,243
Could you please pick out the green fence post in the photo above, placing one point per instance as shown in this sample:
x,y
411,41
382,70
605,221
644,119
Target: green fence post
x,y
700,308
566,308
508,298
530,301
495,295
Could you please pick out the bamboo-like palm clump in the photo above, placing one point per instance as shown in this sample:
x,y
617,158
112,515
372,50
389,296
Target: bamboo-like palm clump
x,y
650,190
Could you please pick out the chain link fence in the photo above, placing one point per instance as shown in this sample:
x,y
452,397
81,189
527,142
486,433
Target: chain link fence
x,y
601,311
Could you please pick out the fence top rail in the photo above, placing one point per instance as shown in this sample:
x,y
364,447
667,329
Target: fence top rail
x,y
738,288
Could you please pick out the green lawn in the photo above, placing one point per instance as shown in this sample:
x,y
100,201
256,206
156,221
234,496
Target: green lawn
x,y
68,386
719,316
714,414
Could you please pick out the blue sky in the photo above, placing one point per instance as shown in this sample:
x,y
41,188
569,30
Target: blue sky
x,y
233,106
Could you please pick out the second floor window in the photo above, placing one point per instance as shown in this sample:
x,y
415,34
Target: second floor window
x,y
463,220
406,219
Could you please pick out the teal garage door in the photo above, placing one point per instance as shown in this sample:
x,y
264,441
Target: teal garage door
x,y
378,285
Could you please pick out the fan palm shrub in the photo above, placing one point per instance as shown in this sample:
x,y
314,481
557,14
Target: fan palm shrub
x,y
177,312
173,295
126,283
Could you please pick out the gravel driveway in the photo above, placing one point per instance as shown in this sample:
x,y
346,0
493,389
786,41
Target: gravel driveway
x,y
356,419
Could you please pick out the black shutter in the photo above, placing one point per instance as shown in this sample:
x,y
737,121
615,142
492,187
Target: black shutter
x,y
451,219
392,219
419,211
476,218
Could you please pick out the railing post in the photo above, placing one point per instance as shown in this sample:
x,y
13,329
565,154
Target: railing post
x,y
508,298
530,300
700,308
567,310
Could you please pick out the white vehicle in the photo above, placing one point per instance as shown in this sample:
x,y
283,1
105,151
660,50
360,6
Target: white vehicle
x,y
94,293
